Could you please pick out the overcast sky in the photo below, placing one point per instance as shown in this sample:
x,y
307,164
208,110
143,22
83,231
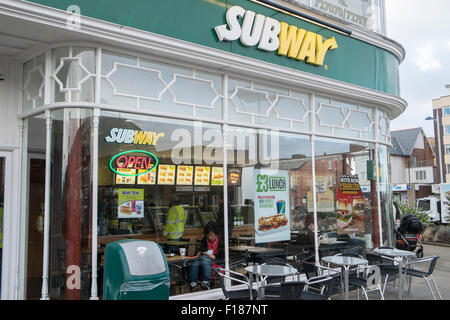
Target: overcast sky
x,y
423,28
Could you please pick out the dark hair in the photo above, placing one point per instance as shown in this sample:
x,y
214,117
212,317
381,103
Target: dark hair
x,y
308,220
213,227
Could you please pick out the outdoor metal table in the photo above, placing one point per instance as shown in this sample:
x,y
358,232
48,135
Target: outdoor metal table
x,y
267,270
401,254
345,263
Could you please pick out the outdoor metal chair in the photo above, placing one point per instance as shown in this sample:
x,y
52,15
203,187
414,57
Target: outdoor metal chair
x,y
426,275
387,268
291,290
361,280
326,284
236,294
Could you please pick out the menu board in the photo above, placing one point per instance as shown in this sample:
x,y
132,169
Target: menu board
x,y
131,203
202,176
185,175
147,177
120,179
217,176
166,174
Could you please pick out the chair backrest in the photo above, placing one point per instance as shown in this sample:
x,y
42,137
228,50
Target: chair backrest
x,y
432,265
291,290
373,258
309,267
327,282
233,276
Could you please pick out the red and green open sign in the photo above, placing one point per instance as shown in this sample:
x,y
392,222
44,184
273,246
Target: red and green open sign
x,y
142,160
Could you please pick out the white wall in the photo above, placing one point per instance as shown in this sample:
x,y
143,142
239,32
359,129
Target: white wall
x,y
10,140
398,170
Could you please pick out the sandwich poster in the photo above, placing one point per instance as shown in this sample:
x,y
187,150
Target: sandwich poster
x,y
131,203
350,206
271,198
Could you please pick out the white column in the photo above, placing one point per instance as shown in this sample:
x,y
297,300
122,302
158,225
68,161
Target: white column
x,y
94,160
225,174
46,258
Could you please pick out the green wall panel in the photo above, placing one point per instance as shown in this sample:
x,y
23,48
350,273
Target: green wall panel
x,y
354,62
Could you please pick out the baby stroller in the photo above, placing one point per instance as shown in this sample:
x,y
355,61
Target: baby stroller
x,y
408,235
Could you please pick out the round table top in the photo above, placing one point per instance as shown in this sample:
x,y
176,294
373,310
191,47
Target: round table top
x,y
271,270
345,261
394,252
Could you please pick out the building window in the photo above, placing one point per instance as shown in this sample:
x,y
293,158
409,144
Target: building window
x,y
447,130
421,175
447,149
447,111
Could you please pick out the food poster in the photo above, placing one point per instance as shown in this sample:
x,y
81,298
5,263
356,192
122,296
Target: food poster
x,y
272,210
166,174
234,177
126,178
202,176
185,175
147,177
350,206
131,203
217,176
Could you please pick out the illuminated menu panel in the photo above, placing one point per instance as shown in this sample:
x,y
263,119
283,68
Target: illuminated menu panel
x,y
202,176
185,175
125,179
217,176
147,178
166,174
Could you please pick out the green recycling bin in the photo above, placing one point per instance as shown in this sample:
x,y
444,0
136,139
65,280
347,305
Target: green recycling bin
x,y
135,270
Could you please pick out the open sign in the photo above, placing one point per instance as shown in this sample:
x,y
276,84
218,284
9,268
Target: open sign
x,y
134,159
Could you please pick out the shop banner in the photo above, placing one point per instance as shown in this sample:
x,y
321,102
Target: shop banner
x,y
272,210
131,203
350,206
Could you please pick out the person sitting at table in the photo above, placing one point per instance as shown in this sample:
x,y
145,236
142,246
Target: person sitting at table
x,y
308,239
210,254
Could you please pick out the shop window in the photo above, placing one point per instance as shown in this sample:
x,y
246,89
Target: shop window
x,y
137,82
339,118
34,84
256,103
73,74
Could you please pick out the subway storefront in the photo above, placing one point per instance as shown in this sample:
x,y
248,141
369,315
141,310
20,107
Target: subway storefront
x,y
271,124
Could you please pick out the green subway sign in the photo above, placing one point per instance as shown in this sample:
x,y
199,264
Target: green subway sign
x,y
304,46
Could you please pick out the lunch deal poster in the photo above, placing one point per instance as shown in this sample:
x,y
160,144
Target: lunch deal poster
x,y
131,203
350,206
271,198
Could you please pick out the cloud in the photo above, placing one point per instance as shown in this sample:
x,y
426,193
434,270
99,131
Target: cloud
x,y
425,58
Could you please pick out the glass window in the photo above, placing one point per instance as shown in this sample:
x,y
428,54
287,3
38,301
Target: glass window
x,y
160,180
342,206
365,14
35,158
446,111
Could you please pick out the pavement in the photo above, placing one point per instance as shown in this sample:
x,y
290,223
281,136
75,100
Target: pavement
x,y
419,288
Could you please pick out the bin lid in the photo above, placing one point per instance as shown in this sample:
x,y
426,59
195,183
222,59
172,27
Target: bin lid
x,y
144,258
